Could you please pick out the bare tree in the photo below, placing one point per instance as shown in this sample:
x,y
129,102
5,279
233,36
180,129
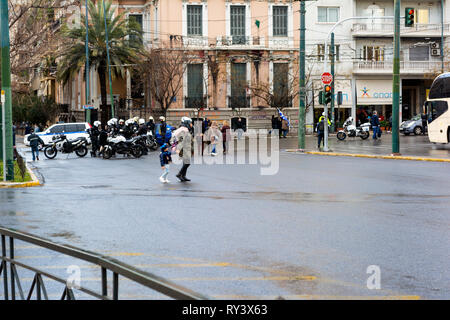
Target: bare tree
x,y
164,69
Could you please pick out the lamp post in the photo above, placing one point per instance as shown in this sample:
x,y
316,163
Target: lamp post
x,y
302,91
7,154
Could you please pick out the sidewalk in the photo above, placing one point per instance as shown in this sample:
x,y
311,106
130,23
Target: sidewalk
x,y
410,146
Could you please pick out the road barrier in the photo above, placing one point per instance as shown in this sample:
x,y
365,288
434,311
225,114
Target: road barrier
x,y
118,268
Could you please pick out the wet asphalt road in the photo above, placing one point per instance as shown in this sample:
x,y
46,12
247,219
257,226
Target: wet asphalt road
x,y
310,231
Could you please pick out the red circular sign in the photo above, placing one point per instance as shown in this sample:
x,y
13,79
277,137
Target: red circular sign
x,y
327,78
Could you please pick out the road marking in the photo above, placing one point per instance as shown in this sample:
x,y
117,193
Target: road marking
x,y
146,266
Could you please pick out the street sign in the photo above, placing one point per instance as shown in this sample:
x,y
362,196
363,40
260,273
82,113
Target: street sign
x,y
88,106
327,78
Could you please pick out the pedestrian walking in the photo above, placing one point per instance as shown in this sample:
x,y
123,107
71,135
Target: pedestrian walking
x,y
279,126
184,146
165,159
284,127
375,122
320,132
424,117
212,136
390,123
35,140
224,130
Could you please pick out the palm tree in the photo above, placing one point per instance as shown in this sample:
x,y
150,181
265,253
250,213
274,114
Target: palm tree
x,y
125,42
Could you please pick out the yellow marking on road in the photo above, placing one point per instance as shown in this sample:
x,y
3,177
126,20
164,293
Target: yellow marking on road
x,y
143,266
127,254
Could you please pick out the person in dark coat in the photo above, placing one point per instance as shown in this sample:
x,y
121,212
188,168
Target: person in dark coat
x,y
35,140
375,122
424,117
224,129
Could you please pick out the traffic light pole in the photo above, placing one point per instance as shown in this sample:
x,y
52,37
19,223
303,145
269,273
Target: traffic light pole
x,y
396,81
88,99
302,91
8,163
332,84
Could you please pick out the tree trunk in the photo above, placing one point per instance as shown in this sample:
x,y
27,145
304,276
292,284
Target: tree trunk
x,y
103,106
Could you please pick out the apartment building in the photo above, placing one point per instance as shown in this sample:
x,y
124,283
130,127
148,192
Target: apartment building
x,y
252,43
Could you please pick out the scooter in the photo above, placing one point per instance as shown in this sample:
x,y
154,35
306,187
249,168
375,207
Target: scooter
x,y
121,145
353,131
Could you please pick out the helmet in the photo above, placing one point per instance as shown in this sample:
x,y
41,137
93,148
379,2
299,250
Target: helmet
x,y
129,121
121,121
112,122
323,113
162,118
97,123
150,118
141,121
164,146
185,121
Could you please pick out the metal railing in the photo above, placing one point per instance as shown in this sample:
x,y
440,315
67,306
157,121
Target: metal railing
x,y
406,66
12,286
388,26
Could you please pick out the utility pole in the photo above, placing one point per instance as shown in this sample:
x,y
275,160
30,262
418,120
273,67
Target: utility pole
x,y
8,157
109,63
302,90
88,99
332,84
396,81
442,36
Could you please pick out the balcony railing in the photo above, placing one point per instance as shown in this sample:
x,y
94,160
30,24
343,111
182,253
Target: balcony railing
x,y
405,66
238,102
239,41
195,102
387,27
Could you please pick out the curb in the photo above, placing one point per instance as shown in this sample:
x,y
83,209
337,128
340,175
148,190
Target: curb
x,y
34,183
391,157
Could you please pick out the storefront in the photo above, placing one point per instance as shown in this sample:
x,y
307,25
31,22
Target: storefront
x,y
373,95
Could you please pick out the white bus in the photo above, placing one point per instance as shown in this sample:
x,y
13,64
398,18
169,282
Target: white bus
x,y
437,109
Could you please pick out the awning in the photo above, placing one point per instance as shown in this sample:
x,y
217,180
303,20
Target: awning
x,y
374,92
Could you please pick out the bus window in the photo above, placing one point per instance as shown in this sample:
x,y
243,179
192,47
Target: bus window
x,y
440,87
435,109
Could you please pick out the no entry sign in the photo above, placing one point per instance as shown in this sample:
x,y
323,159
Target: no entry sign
x,y
327,78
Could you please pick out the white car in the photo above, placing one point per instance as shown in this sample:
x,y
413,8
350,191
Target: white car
x,y
70,130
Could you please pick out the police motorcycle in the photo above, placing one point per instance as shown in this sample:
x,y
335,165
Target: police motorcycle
x,y
63,145
150,141
353,131
120,140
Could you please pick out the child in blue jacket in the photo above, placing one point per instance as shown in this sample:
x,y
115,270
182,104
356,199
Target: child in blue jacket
x,y
165,158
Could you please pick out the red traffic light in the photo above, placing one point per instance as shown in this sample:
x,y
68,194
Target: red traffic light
x,y
411,11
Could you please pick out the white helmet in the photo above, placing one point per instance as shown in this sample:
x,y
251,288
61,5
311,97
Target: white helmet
x,y
141,121
97,123
121,121
150,118
162,118
323,113
129,121
186,121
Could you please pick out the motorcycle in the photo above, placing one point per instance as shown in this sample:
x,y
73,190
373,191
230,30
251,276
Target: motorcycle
x,y
119,144
150,141
63,145
353,131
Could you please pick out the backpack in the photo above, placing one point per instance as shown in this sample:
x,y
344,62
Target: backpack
x,y
321,126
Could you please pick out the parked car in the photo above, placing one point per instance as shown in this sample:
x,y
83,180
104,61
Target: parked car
x,y
413,125
70,130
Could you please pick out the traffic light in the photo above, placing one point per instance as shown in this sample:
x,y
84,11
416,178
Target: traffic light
x,y
327,94
320,97
339,98
409,17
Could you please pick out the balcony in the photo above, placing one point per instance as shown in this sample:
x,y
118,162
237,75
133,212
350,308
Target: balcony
x,y
380,28
239,42
281,42
238,102
195,102
386,67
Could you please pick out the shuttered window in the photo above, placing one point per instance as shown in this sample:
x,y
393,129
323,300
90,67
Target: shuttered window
x,y
194,20
237,17
195,80
238,84
280,21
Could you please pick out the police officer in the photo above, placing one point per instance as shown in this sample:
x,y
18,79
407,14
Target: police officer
x,y
94,133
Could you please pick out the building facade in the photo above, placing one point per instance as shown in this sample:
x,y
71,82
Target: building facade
x,y
247,58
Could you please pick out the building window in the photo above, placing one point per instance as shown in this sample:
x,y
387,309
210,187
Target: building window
x,y
328,14
136,18
194,20
194,86
370,53
280,21
321,52
237,24
281,85
419,53
422,16
238,85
